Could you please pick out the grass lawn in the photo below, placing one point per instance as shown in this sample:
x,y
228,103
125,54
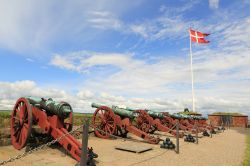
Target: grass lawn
x,y
247,153
5,118
78,118
5,113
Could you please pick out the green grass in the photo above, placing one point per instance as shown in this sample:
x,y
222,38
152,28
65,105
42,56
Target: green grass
x,y
4,118
78,118
247,153
189,113
5,114
82,114
227,113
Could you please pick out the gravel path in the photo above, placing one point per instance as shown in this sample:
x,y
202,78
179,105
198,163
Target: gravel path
x,y
224,149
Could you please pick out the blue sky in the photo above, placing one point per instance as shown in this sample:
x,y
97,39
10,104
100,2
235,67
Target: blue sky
x,y
133,53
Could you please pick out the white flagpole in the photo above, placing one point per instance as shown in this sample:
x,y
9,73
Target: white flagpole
x,y
192,74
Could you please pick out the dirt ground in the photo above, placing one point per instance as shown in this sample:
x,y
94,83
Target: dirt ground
x,y
223,149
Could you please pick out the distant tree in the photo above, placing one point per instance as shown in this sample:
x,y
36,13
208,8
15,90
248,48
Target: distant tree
x,y
186,110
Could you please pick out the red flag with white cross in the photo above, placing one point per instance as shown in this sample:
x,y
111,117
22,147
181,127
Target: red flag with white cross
x,y
198,37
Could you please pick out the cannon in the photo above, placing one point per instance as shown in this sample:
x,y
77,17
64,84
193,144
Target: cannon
x,y
117,121
190,122
196,120
202,122
54,118
169,120
185,121
158,121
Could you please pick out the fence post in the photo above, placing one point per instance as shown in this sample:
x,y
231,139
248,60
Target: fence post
x,y
177,138
196,126
85,135
211,131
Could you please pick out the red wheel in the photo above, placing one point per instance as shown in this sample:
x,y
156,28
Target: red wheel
x,y
104,122
167,122
21,123
144,122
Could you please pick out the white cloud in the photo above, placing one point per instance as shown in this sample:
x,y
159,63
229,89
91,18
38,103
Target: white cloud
x,y
221,68
85,94
169,25
133,74
31,26
140,29
24,88
104,20
214,4
237,33
11,91
81,101
29,59
107,59
221,73
62,62
139,78
161,28
82,60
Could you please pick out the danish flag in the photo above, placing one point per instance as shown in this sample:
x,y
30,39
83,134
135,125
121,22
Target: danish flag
x,y
198,37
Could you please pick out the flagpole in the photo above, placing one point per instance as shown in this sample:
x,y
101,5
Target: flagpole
x,y
192,74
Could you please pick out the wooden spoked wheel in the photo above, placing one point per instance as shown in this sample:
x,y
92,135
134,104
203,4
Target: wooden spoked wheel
x,y
143,123
167,122
104,122
21,123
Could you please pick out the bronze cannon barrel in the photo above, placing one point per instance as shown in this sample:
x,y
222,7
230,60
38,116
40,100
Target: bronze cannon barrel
x,y
117,110
62,109
154,114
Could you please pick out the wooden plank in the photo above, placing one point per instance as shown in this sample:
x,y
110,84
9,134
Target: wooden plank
x,y
135,148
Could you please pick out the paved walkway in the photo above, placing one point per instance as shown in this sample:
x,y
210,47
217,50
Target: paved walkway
x,y
224,149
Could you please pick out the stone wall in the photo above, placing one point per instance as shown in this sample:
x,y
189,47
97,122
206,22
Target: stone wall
x,y
239,121
214,119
